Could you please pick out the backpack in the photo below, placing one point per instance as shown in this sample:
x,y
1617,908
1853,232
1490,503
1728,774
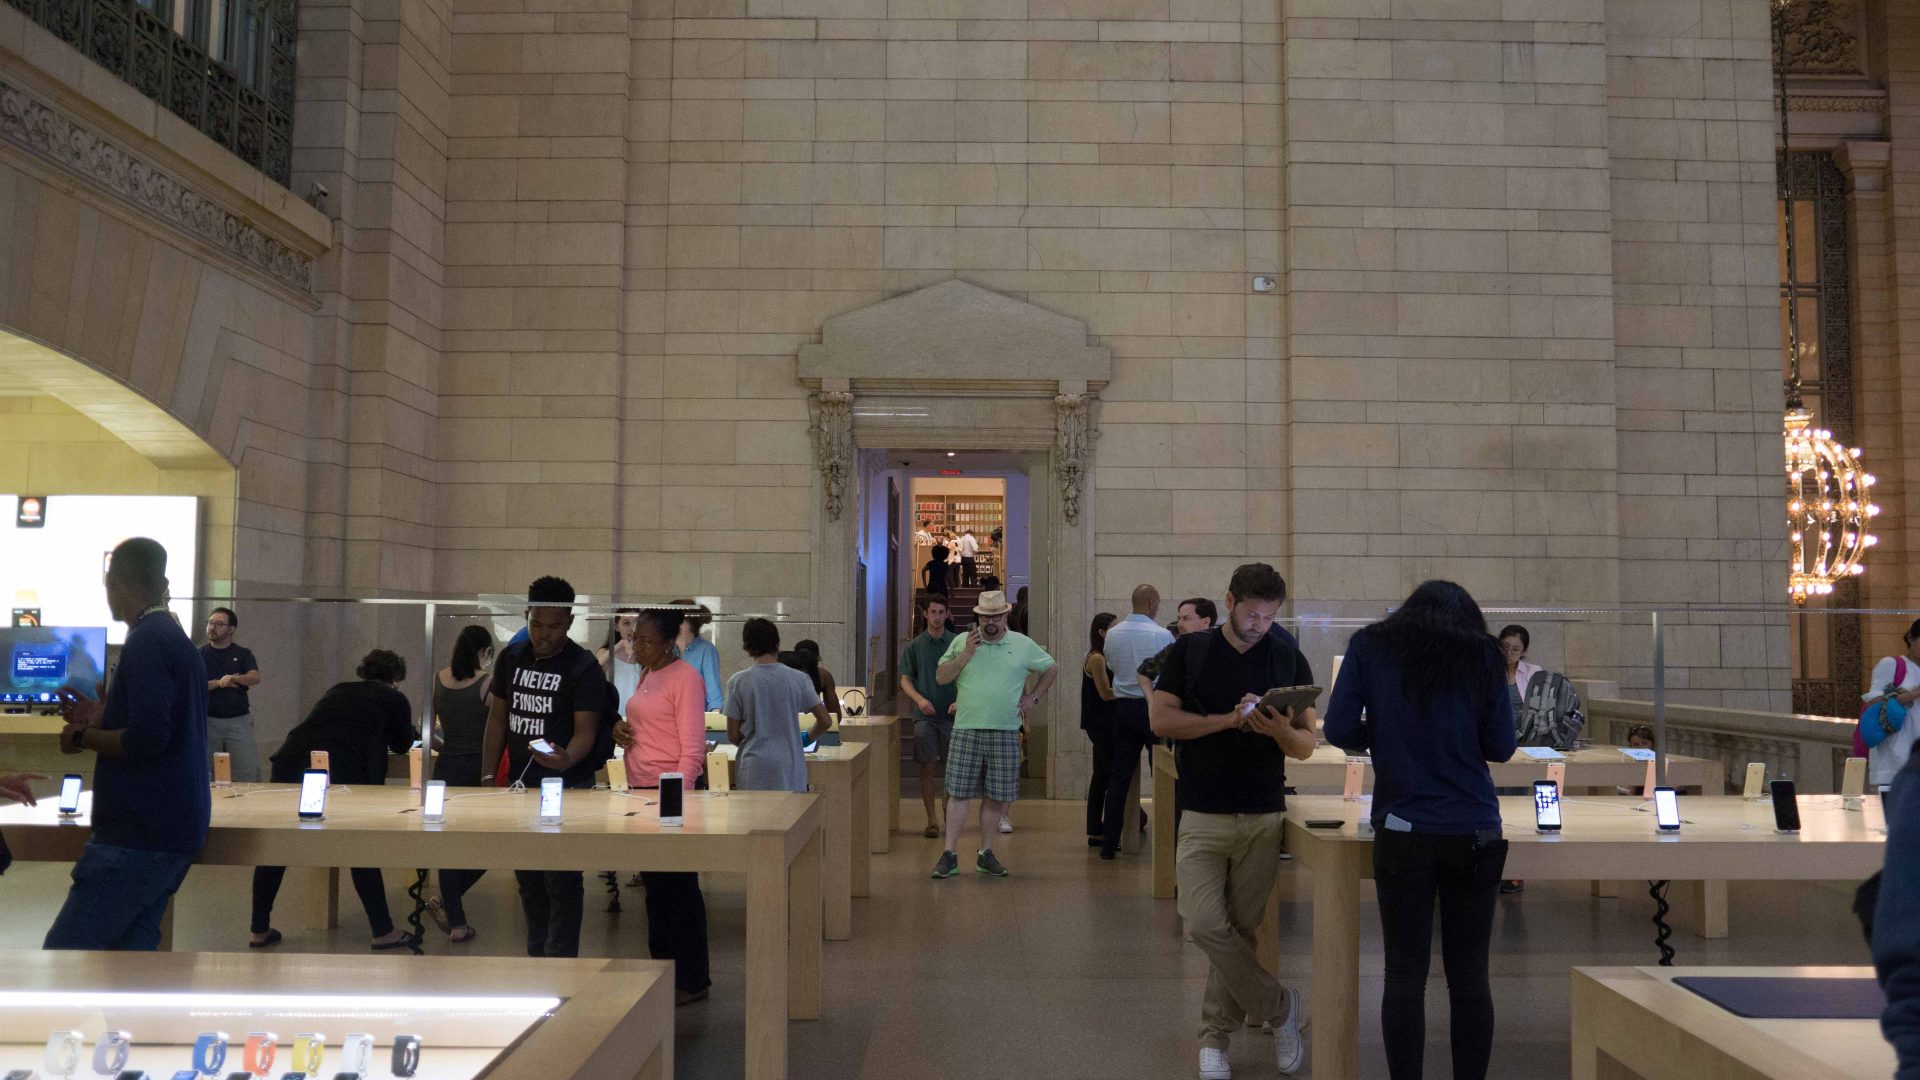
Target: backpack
x,y
1883,716
1550,713
1196,644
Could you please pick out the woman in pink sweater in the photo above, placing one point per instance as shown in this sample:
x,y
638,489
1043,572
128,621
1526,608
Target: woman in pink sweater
x,y
665,731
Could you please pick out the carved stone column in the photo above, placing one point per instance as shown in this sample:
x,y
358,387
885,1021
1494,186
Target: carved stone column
x,y
1069,582
1074,434
832,432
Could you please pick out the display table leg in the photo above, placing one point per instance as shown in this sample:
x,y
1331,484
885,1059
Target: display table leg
x,y
768,915
863,783
894,736
838,794
1335,1004
1130,832
803,932
323,897
1165,879
1605,890
1699,907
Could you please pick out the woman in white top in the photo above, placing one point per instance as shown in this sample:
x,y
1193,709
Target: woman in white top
x,y
616,656
1891,755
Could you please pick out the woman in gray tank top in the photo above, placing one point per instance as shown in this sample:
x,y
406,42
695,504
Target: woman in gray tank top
x,y
460,706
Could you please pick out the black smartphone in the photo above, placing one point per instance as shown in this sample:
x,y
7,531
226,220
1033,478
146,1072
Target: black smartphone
x,y
672,794
1546,806
1786,807
1328,823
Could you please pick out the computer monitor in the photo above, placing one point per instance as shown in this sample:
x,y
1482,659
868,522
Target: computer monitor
x,y
39,660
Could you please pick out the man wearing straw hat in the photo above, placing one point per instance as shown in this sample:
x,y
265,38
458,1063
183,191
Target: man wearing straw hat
x,y
990,665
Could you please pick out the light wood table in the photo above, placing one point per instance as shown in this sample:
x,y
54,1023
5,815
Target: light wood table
x,y
884,734
1722,839
1633,1022
773,838
602,1018
841,776
1326,771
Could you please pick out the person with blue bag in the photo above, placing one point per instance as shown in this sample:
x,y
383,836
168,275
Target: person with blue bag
x,y
1884,732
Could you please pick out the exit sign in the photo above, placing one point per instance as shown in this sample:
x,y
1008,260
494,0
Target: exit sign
x,y
951,472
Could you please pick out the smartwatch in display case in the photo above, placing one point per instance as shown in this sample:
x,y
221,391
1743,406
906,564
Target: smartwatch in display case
x,y
111,1051
308,1048
406,1055
209,1052
261,1047
356,1055
63,1052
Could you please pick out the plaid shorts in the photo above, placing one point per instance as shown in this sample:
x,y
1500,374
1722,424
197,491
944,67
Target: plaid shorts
x,y
976,750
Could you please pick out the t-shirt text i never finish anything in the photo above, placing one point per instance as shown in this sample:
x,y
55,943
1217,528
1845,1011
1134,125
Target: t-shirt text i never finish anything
x,y
542,696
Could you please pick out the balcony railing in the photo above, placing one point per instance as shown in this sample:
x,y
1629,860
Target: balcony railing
x,y
241,99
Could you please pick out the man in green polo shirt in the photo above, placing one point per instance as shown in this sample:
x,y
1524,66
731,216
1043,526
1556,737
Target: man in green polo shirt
x,y
933,701
990,666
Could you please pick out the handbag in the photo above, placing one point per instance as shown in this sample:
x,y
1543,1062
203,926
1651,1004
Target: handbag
x,y
1884,715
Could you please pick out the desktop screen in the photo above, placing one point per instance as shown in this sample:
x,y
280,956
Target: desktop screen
x,y
41,659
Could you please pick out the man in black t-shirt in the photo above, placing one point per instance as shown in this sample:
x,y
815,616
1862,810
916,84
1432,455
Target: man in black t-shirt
x,y
547,687
231,670
1232,789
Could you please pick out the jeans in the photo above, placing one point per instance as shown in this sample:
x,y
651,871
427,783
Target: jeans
x,y
677,926
367,882
1225,865
457,770
1100,732
551,900
1131,734
234,735
1410,871
118,899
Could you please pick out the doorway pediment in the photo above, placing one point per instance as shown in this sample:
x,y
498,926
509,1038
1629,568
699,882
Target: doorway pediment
x,y
958,338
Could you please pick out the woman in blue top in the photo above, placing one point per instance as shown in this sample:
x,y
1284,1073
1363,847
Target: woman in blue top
x,y
699,652
1424,692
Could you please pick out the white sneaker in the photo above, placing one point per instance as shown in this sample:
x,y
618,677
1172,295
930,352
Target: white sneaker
x,y
1006,824
1213,1064
1289,1050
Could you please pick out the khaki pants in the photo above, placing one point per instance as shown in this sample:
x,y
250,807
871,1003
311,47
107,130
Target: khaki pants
x,y
1226,866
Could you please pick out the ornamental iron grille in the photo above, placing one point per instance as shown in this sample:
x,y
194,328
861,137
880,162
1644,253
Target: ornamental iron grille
x,y
242,98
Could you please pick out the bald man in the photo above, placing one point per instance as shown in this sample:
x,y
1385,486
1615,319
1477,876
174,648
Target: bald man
x,y
1129,642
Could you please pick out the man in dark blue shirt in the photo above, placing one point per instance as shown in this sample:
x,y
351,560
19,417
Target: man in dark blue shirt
x,y
1896,921
151,800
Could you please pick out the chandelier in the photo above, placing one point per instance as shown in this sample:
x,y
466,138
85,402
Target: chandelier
x,y
1828,508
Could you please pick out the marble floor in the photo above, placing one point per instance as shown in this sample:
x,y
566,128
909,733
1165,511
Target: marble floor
x,y
1067,970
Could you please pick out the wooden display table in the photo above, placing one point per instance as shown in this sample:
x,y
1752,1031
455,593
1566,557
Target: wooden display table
x,y
607,1018
841,776
1722,839
1633,1022
1326,772
31,743
884,734
772,838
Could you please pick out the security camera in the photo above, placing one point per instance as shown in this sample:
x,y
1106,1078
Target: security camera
x,y
317,195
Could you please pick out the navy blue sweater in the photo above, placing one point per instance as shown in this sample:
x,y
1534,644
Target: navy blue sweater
x,y
157,797
1896,922
1429,757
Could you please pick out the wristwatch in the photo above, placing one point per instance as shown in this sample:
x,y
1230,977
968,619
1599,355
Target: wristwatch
x,y
209,1052
308,1049
110,1053
261,1046
63,1052
406,1055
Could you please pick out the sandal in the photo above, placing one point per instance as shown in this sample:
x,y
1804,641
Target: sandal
x,y
455,935
272,939
406,941
932,833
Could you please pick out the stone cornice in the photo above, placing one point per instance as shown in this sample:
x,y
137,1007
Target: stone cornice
x,y
52,136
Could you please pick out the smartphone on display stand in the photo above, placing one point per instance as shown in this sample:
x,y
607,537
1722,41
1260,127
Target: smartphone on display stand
x,y
223,769
550,801
1546,806
321,760
313,795
1666,809
672,793
70,787
1786,807
433,810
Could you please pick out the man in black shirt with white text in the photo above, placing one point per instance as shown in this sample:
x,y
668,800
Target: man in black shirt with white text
x,y
547,687
1232,760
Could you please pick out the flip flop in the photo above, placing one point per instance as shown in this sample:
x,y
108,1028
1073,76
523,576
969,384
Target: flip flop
x,y
389,946
273,938
454,934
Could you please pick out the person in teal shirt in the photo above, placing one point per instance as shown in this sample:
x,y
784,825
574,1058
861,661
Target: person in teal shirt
x,y
933,701
699,652
990,666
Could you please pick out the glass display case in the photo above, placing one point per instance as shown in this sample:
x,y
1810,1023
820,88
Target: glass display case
x,y
159,1016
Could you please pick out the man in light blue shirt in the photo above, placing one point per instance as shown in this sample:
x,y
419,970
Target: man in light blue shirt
x,y
1132,640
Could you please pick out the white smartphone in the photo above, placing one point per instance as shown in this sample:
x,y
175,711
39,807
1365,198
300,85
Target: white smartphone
x,y
434,810
672,793
540,746
70,795
313,795
1546,806
1666,809
550,800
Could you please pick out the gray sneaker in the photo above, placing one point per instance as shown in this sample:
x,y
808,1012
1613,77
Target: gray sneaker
x,y
948,865
988,864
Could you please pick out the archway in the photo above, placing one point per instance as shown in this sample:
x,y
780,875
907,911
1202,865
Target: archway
x,y
957,367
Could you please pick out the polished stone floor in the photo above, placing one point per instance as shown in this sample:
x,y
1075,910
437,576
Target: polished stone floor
x,y
1065,971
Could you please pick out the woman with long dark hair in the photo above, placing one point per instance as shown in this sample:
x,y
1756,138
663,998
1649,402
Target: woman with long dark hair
x,y
1425,693
460,705
1096,719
